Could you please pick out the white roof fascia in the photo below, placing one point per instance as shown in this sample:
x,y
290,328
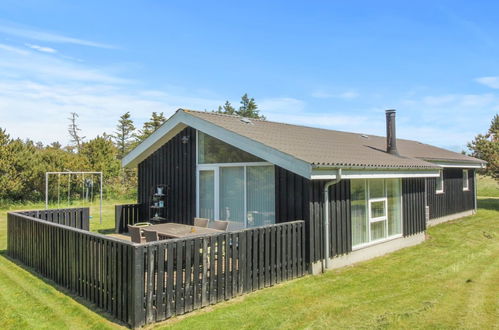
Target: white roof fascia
x,y
162,135
456,164
374,174
182,119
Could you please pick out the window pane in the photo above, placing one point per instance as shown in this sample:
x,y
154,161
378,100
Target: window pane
x,y
358,212
207,194
465,179
440,182
378,209
376,188
378,230
232,195
212,150
260,195
394,207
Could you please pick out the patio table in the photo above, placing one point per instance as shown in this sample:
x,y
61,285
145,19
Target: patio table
x,y
177,230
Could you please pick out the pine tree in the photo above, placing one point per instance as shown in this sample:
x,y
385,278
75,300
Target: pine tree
x,y
157,119
74,132
124,134
227,109
101,155
486,147
248,108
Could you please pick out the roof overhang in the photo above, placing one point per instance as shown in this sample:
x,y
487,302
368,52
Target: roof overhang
x,y
456,164
357,173
182,119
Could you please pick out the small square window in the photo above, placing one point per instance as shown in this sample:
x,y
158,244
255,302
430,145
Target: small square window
x,y
466,183
440,183
378,209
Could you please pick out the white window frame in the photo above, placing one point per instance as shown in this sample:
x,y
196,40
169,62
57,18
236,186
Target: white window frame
x,y
466,181
382,218
378,219
440,179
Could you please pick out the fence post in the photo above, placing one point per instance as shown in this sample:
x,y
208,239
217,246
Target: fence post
x,y
85,221
137,314
117,218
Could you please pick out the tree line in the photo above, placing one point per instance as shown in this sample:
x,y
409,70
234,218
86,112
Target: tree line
x,y
23,163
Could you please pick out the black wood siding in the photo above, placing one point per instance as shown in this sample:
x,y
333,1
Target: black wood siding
x,y
453,199
298,198
413,206
174,164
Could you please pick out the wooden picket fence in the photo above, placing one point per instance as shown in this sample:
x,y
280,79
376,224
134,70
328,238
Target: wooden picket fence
x,y
126,214
182,275
144,283
72,217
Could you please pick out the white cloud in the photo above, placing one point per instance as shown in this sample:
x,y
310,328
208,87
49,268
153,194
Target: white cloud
x,y
346,95
349,95
12,49
492,82
281,105
36,34
42,48
38,90
46,67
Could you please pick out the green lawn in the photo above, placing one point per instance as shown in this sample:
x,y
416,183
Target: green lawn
x,y
449,281
29,302
487,187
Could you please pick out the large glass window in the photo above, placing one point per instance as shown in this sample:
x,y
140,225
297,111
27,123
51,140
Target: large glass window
x,y
231,199
359,212
214,151
260,195
207,194
376,210
242,193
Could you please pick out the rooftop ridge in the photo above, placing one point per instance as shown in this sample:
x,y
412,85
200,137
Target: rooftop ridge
x,y
212,113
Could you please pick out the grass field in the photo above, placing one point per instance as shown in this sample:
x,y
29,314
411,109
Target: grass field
x,y
487,187
449,281
29,302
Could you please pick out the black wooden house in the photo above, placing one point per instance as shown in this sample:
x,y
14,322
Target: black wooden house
x,y
381,192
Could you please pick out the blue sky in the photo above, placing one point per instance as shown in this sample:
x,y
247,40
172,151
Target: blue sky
x,y
332,64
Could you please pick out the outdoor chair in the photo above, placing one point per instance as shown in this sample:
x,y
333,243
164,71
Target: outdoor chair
x,y
151,236
220,225
201,222
135,234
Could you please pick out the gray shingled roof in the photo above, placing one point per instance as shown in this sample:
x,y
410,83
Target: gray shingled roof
x,y
323,147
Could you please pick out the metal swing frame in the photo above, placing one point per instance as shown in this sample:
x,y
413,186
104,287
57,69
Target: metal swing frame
x,y
69,173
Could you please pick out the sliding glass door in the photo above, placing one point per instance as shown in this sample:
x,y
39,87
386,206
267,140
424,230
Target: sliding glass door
x,y
231,196
244,195
206,189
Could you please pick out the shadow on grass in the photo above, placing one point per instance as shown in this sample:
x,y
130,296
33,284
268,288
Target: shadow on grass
x,y
489,204
89,305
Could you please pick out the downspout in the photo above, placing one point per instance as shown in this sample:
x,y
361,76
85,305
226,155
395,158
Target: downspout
x,y
326,218
475,202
